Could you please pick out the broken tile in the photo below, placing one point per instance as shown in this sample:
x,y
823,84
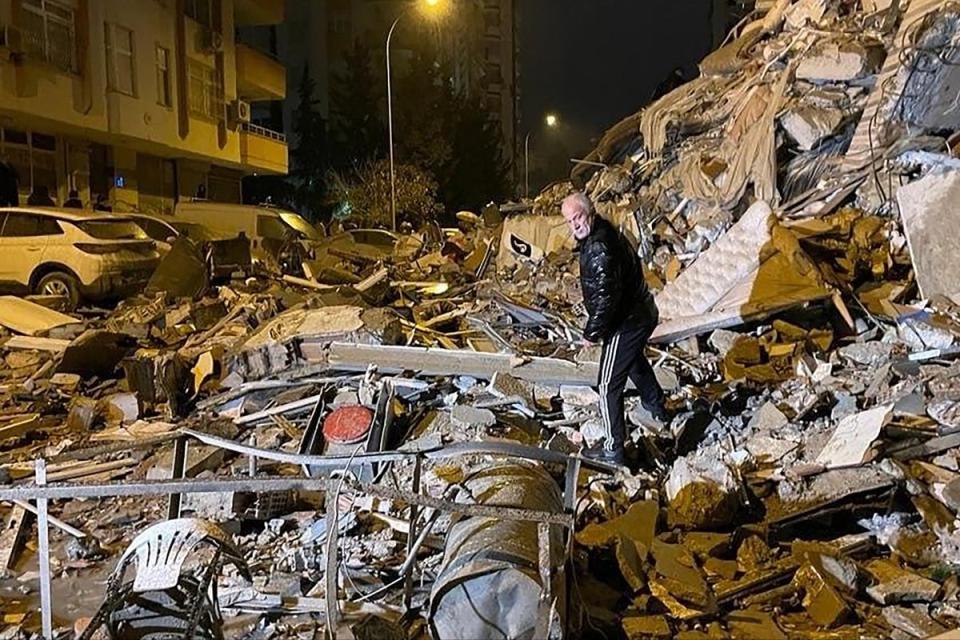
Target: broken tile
x,y
895,585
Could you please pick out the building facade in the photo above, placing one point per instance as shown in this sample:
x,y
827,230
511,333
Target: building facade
x,y
139,102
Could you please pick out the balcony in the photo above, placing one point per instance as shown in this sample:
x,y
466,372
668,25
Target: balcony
x,y
259,77
255,13
263,150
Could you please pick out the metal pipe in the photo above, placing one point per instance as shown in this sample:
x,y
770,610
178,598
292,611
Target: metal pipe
x,y
43,551
526,166
58,491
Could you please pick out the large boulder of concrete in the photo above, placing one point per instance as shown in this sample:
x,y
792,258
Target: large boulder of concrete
x,y
701,493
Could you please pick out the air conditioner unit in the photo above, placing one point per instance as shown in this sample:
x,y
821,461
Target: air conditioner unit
x,y
241,111
212,41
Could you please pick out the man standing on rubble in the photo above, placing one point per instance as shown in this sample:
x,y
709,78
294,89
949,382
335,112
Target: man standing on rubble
x,y
622,317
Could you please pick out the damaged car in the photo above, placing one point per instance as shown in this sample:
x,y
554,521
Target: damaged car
x,y
77,255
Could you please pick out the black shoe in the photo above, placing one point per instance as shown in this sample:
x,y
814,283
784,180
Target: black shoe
x,y
602,454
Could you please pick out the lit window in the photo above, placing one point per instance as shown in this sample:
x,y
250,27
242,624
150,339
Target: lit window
x,y
206,92
121,69
164,97
48,33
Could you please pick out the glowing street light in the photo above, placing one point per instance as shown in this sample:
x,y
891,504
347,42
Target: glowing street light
x,y
552,121
430,7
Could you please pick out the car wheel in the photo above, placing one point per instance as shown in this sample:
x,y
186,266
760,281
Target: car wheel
x,y
61,284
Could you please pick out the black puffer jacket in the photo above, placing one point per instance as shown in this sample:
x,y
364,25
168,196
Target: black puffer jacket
x,y
611,276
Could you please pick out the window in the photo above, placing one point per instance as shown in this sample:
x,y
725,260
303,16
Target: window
x,y
206,92
164,97
112,229
155,229
272,228
121,70
33,157
21,225
48,33
199,10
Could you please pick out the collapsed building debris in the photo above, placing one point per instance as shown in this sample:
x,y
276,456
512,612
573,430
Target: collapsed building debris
x,y
387,441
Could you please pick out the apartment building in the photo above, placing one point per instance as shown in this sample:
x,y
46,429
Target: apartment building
x,y
141,102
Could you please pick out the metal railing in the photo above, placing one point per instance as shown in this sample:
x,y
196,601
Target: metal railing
x,y
263,132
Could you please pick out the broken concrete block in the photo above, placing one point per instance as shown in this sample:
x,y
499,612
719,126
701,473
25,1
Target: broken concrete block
x,y
722,341
768,418
930,218
912,621
700,497
646,628
851,441
123,408
809,125
677,570
631,554
840,62
724,569
823,604
753,554
470,417
896,585
754,623
579,396
706,544
804,12
505,385
592,431
826,559
867,354
638,523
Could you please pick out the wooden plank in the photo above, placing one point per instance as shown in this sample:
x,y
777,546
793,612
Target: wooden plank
x,y
448,362
371,281
309,284
11,539
52,345
30,318
928,448
90,470
19,427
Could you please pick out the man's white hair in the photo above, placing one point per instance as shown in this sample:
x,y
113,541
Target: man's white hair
x,y
578,200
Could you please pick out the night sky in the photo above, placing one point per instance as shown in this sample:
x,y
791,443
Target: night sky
x,y
595,61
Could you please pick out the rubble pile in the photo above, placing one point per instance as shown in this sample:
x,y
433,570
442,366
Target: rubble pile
x,y
795,207
383,441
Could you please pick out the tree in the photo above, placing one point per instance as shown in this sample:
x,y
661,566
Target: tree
x,y
359,134
477,174
363,195
451,136
310,156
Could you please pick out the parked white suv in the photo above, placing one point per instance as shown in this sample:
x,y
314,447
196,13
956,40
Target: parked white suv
x,y
73,253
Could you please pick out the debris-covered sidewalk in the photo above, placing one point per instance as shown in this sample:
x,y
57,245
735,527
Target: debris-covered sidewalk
x,y
385,444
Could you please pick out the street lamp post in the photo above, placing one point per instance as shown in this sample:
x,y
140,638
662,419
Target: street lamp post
x,y
551,121
393,175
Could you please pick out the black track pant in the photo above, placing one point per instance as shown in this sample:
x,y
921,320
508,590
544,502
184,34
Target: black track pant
x,y
623,357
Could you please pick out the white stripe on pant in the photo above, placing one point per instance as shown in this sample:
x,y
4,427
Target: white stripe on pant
x,y
604,383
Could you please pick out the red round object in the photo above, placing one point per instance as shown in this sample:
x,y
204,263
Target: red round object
x,y
348,424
